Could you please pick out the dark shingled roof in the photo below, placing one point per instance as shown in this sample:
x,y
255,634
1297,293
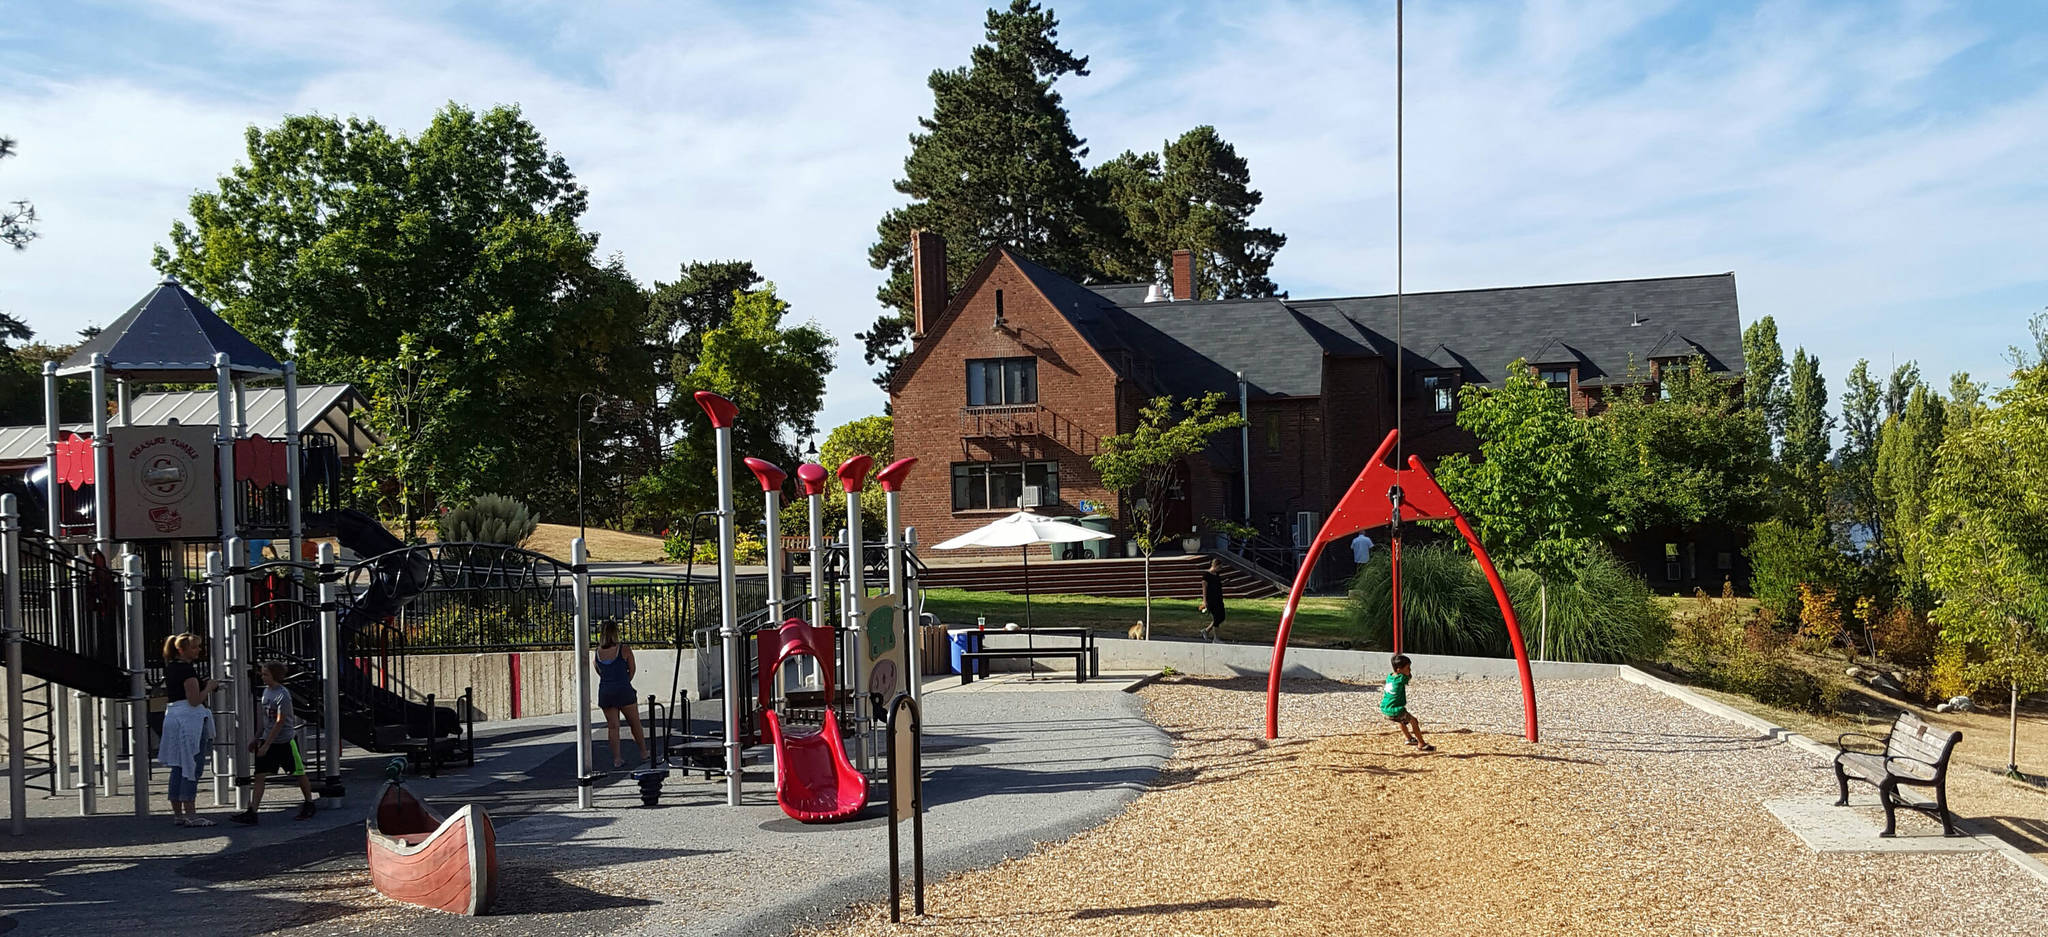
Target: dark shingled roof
x,y
1184,348
170,336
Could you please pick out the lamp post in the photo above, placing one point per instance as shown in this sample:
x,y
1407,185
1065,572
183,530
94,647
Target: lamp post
x,y
593,395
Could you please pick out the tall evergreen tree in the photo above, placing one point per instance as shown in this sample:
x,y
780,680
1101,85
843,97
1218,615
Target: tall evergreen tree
x,y
17,218
1763,363
997,163
1199,198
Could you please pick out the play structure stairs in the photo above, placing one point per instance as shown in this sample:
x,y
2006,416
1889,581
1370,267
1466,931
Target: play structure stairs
x,y
38,721
1178,576
72,669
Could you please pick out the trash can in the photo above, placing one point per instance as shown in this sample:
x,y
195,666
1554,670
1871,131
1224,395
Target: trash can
x,y
1058,551
961,639
1097,549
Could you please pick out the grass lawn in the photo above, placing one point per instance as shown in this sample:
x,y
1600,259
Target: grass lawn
x,y
1319,623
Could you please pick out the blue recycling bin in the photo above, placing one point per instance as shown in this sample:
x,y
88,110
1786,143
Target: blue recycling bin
x,y
961,639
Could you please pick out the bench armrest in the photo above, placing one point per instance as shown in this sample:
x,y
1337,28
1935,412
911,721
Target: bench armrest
x,y
1842,741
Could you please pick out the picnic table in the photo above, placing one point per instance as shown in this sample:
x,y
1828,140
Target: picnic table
x,y
978,653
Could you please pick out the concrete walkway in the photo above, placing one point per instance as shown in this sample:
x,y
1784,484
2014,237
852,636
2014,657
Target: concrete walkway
x,y
1007,766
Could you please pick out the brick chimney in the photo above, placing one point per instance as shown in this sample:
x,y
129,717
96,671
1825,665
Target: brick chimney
x,y
927,279
1184,275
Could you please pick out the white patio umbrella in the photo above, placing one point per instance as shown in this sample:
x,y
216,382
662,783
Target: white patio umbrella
x,y
1022,530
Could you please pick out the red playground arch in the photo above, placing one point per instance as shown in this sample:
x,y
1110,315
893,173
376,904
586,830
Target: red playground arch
x,y
1370,503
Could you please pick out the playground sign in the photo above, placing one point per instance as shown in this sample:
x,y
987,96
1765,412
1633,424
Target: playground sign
x,y
164,483
888,656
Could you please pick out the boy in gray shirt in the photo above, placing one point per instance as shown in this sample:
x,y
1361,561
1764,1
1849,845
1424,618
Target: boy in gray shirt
x,y
277,747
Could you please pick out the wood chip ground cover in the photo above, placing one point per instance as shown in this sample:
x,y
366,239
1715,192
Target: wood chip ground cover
x,y
1635,815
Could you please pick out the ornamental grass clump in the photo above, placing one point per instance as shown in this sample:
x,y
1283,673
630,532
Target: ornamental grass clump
x,y
1446,605
488,519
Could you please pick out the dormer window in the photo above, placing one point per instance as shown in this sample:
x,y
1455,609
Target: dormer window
x,y
1555,376
1441,391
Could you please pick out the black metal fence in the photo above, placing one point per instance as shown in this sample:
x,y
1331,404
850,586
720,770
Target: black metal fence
x,y
649,612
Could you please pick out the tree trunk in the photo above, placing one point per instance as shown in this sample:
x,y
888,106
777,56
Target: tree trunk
x,y
1148,595
2012,742
1543,619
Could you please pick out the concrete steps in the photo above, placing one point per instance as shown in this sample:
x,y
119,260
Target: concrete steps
x,y
1178,576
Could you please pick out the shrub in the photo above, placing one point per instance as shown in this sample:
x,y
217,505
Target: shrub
x,y
747,546
1820,618
1446,606
1781,558
488,519
1950,676
1906,637
1603,614
1724,648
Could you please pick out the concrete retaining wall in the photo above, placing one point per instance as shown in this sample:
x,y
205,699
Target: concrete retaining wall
x,y
1221,659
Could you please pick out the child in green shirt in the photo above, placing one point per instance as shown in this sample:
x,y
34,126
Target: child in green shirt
x,y
1394,704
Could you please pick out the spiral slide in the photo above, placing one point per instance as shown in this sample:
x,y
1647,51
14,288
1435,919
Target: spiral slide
x,y
814,780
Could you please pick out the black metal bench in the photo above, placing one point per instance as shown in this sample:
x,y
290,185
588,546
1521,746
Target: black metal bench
x,y
1913,754
1079,654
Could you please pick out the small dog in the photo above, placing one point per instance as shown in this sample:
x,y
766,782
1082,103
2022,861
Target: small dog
x,y
1137,631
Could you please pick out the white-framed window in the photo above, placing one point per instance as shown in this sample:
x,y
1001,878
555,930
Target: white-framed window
x,y
1556,376
979,486
995,382
1441,390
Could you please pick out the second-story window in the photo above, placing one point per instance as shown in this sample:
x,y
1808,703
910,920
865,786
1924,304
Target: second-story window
x,y
995,382
1556,377
1441,390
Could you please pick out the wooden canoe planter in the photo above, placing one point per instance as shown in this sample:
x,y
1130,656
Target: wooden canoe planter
x,y
417,857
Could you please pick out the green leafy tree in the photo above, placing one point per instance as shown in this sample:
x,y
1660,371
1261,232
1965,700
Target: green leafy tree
x,y
871,436
1535,491
1528,493
1691,455
1987,538
1785,555
1145,464
1861,400
997,163
774,373
451,260
1199,198
1808,429
17,218
1964,397
1763,387
1899,388
1906,451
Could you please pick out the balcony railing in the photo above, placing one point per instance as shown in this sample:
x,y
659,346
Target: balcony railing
x,y
1032,420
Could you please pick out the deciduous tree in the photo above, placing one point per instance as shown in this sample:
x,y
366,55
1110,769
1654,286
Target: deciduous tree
x,y
1988,539
1144,464
1690,455
1906,452
1808,429
17,218
1763,388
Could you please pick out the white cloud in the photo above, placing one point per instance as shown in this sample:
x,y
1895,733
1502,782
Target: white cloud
x,y
1812,149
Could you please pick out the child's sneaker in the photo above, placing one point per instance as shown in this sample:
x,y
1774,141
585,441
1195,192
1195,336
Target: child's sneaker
x,y
198,821
245,818
179,820
306,810
1408,742
1425,748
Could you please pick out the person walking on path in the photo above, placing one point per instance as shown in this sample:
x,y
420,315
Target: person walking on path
x,y
1361,548
1212,599
615,670
277,752
188,725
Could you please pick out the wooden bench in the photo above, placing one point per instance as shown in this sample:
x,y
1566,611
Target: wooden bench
x,y
1913,754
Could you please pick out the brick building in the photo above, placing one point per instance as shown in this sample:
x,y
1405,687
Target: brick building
x,y
1014,382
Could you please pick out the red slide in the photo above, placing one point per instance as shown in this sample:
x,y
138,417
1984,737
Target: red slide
x,y
814,781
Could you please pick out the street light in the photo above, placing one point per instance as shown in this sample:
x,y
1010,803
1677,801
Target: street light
x,y
599,398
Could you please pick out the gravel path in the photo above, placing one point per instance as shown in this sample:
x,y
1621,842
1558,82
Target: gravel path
x,y
1636,815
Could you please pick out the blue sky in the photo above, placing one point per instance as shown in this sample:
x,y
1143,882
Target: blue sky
x,y
1872,172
